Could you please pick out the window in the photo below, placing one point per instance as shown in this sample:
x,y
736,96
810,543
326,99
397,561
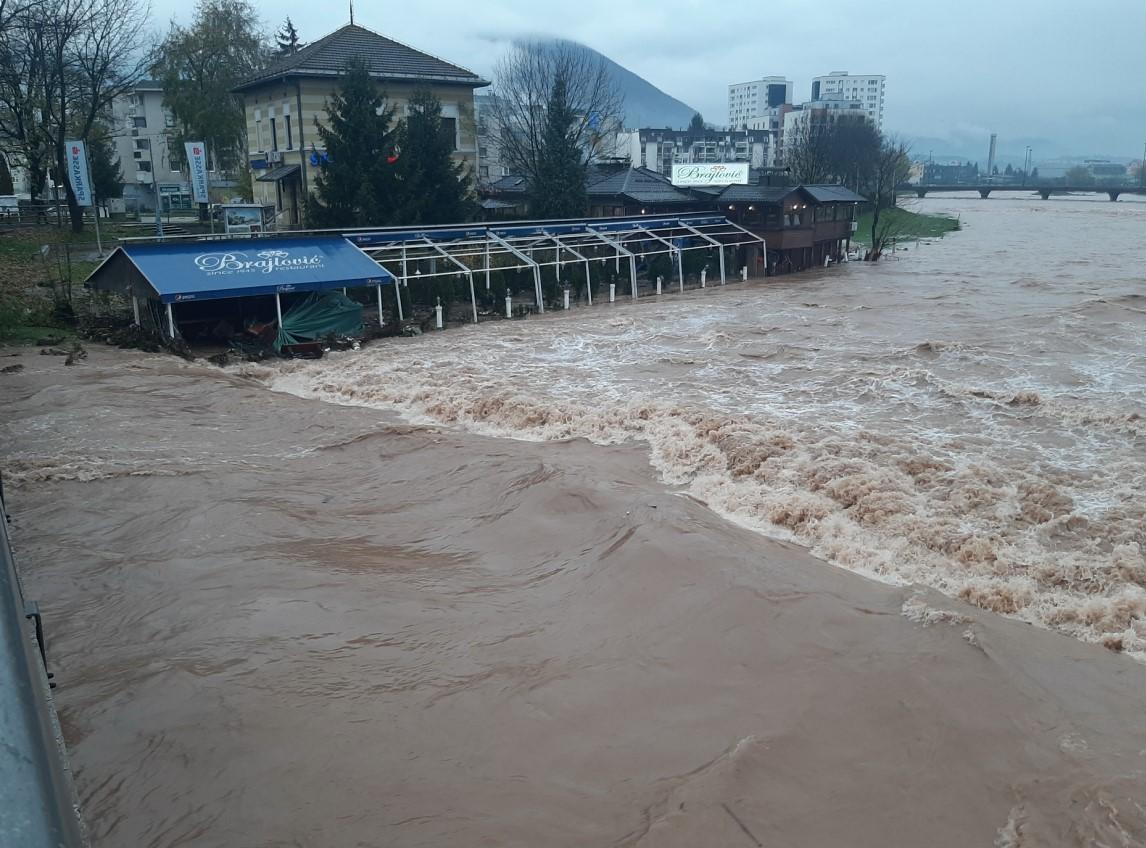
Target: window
x,y
139,122
483,152
484,172
143,166
274,135
137,155
450,132
290,135
142,143
168,119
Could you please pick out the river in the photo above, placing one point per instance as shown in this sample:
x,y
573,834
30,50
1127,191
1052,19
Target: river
x,y
846,557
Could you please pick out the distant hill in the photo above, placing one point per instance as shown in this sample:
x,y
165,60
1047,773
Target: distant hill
x,y
645,104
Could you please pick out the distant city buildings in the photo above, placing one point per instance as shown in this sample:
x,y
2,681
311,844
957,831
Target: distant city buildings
x,y
765,106
867,89
659,149
748,100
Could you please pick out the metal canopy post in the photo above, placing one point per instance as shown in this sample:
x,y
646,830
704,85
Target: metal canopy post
x,y
672,249
710,240
621,249
487,272
398,287
381,314
171,320
588,279
763,244
465,268
527,260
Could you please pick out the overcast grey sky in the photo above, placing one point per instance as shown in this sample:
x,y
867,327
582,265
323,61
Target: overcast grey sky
x,y
1065,76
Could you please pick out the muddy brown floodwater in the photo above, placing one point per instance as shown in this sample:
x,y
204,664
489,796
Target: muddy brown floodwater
x,y
847,558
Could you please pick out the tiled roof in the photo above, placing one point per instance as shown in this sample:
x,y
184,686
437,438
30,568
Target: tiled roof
x,y
639,184
756,194
833,194
386,58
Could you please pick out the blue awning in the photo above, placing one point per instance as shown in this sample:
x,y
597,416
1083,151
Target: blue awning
x,y
211,270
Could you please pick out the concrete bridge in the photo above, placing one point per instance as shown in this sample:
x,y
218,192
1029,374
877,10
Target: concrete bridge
x,y
1044,191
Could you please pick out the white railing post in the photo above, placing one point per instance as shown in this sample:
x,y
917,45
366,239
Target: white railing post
x,y
660,281
508,305
566,294
438,314
612,292
703,277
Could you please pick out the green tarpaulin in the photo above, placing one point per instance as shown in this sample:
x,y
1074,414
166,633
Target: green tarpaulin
x,y
322,314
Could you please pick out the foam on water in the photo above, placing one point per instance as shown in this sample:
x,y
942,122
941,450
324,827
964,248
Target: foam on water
x,y
926,420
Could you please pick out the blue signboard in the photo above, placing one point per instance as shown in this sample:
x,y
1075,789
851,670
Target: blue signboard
x,y
211,270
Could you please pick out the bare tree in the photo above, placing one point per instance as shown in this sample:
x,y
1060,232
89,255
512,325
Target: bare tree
x,y
853,147
22,57
524,81
829,148
61,66
892,168
808,150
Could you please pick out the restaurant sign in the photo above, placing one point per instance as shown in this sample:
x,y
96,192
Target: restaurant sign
x,y
710,174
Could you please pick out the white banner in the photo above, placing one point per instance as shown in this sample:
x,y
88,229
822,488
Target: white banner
x,y
710,173
197,163
78,174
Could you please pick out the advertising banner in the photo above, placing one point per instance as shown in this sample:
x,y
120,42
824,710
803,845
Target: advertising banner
x,y
78,174
197,163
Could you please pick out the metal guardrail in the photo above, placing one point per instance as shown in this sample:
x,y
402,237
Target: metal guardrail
x,y
38,807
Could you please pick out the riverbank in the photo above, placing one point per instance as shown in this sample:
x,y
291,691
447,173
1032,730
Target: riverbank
x,y
907,225
309,624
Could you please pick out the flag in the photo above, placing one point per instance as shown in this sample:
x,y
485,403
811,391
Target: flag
x,y
197,163
78,174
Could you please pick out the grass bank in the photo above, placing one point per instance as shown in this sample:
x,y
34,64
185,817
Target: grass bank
x,y
907,225
42,269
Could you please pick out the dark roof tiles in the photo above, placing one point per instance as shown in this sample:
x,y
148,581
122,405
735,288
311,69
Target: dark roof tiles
x,y
386,58
834,194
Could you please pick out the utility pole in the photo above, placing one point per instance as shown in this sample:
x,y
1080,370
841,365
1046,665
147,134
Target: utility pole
x,y
158,211
1142,168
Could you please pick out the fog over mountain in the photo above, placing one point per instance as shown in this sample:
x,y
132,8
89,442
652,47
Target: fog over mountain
x,y
645,104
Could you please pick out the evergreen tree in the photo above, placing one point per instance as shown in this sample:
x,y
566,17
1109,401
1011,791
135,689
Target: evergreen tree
x,y
559,191
1009,172
433,187
286,40
1034,173
107,177
6,186
357,182
696,125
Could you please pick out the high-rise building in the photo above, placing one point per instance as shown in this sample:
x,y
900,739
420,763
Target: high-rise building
x,y
141,128
867,89
747,100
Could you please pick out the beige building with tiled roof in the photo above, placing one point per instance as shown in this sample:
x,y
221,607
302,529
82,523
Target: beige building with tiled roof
x,y
284,100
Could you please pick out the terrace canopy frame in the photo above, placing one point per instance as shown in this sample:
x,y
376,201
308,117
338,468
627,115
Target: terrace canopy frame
x,y
539,245
404,254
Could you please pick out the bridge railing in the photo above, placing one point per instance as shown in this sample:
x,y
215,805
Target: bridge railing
x,y
38,808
